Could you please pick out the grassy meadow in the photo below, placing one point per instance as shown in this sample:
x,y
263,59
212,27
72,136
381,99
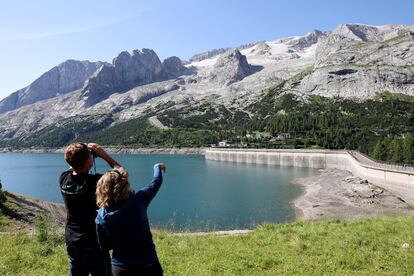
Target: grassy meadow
x,y
336,247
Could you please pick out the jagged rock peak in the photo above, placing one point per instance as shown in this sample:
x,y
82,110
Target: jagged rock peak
x,y
140,67
358,32
262,48
315,32
122,58
362,32
307,40
231,55
128,71
61,79
149,59
231,67
100,85
346,35
173,67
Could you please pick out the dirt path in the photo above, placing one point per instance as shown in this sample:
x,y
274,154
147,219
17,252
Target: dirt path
x,y
157,123
338,194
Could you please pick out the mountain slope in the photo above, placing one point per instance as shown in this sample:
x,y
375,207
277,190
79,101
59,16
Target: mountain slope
x,y
354,61
66,77
358,61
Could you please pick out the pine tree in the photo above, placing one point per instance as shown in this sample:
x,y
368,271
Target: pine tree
x,y
408,149
396,152
380,150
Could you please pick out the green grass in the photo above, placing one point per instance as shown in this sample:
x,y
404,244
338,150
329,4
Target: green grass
x,y
297,78
386,95
25,255
360,247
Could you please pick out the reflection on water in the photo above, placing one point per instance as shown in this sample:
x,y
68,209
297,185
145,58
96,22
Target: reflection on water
x,y
197,194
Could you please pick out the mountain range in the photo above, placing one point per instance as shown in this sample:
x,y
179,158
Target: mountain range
x,y
353,61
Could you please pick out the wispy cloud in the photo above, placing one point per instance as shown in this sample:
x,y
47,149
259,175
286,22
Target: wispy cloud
x,y
16,36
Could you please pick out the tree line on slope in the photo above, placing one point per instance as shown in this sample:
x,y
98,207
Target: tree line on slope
x,y
383,124
381,127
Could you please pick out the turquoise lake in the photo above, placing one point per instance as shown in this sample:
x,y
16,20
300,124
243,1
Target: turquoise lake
x,y
197,194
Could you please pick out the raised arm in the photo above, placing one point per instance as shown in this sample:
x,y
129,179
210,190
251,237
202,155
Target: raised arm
x,y
148,193
100,152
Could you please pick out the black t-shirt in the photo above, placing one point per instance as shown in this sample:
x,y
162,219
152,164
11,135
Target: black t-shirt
x,y
78,192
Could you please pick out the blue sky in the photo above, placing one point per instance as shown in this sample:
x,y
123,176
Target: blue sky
x,y
37,35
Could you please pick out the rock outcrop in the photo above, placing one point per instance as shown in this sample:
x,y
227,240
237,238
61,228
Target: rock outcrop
x,y
66,77
230,67
100,85
173,67
307,40
261,49
357,61
142,67
128,71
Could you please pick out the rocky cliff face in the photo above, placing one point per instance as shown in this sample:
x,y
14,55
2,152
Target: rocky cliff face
x,y
231,67
128,71
353,61
359,61
173,67
66,77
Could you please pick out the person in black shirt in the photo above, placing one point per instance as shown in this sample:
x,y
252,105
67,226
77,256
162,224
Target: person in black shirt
x,y
78,189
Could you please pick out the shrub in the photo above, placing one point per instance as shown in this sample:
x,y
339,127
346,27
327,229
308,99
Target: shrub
x,y
42,227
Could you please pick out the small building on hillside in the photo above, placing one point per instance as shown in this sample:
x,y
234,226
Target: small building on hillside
x,y
224,144
257,136
283,136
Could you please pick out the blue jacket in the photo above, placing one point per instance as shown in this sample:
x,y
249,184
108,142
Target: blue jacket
x,y
125,228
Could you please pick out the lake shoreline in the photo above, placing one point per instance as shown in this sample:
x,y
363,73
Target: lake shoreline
x,y
114,150
27,208
326,194
39,173
348,197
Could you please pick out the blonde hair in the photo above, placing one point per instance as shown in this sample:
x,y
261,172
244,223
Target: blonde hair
x,y
112,187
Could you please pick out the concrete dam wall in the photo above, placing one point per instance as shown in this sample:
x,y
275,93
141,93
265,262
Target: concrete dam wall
x,y
398,180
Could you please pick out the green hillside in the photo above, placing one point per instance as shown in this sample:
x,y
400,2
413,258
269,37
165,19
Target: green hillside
x,y
382,127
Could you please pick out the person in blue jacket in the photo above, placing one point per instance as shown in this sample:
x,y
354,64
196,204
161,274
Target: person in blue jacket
x,y
122,223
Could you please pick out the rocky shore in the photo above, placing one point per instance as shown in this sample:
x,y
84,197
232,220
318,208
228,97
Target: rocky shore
x,y
337,194
156,150
24,210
